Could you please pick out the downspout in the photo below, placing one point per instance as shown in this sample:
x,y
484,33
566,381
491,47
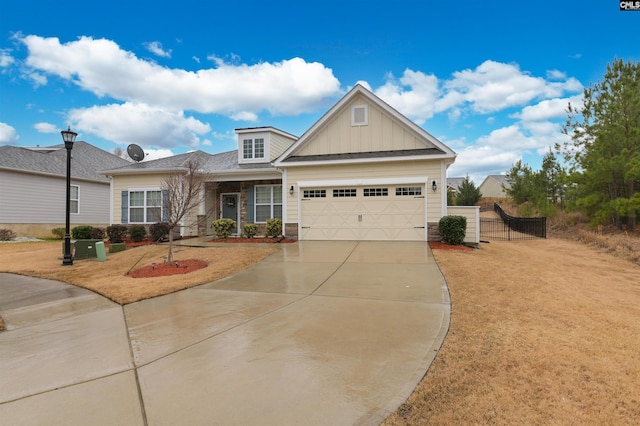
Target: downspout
x,y
445,187
285,199
111,189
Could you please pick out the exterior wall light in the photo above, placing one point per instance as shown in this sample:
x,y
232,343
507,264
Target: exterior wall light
x,y
434,186
291,190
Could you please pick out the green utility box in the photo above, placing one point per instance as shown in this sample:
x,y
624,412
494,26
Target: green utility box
x,y
85,249
100,251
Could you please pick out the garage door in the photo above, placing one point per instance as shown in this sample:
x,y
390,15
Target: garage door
x,y
389,213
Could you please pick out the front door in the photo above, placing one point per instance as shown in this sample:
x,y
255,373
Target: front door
x,y
230,208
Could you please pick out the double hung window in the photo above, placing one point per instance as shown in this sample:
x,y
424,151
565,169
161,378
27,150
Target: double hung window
x,y
268,202
74,202
253,148
145,206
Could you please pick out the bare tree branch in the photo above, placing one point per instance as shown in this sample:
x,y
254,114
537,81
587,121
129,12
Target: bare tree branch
x,y
183,193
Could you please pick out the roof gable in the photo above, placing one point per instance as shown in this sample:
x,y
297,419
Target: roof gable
x,y
502,180
379,131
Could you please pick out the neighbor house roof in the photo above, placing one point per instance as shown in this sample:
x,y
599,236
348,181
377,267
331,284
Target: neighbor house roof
x,y
86,160
455,182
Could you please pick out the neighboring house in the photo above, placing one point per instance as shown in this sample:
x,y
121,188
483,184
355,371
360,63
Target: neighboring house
x,y
453,183
362,172
493,186
33,187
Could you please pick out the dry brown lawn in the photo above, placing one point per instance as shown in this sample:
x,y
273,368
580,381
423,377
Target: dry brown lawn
x,y
542,332
43,259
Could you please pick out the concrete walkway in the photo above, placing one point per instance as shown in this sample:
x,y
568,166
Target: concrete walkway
x,y
320,333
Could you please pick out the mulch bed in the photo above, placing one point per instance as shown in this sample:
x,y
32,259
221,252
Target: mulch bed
x,y
253,240
130,243
162,269
438,245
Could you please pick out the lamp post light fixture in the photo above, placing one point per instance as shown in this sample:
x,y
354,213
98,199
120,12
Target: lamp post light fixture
x,y
69,138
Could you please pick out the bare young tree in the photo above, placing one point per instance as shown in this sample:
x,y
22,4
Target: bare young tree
x,y
183,193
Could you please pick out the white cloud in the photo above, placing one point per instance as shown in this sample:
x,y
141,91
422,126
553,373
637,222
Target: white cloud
x,y
5,58
155,154
100,66
37,78
46,127
417,102
548,109
8,134
244,116
156,48
494,86
556,75
141,124
480,161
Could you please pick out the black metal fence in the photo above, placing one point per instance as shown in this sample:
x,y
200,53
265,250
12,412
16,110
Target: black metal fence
x,y
512,228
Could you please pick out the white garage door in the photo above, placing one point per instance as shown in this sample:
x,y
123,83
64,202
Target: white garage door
x,y
389,213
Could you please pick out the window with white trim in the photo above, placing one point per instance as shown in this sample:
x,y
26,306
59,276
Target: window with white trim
x,y
268,202
145,206
74,200
253,148
409,190
375,192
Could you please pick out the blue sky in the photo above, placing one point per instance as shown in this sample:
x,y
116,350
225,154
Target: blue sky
x,y
490,79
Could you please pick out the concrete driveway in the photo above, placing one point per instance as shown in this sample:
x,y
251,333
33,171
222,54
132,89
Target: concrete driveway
x,y
320,333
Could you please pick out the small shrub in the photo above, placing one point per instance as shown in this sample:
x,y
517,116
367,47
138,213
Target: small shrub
x,y
159,231
82,232
137,232
116,247
250,230
7,235
224,227
274,227
98,233
58,233
453,229
117,233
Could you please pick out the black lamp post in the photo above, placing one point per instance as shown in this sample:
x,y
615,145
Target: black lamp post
x,y
68,137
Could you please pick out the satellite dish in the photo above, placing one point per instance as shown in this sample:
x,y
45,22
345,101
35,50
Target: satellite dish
x,y
135,152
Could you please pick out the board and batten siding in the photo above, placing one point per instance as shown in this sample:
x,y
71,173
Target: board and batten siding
x,y
472,213
362,171
31,198
382,133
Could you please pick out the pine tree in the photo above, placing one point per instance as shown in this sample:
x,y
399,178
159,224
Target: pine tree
x,y
605,147
468,194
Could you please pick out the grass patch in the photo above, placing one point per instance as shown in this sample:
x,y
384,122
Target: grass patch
x,y
43,259
542,332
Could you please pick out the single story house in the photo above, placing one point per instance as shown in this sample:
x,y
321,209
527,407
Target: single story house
x,y
33,185
363,171
493,186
